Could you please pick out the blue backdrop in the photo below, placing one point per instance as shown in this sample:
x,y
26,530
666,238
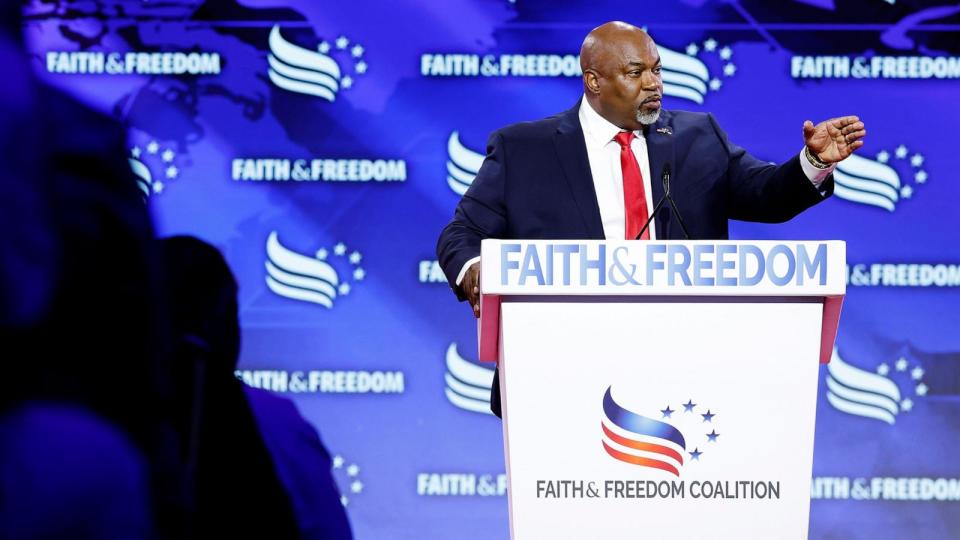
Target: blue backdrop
x,y
323,145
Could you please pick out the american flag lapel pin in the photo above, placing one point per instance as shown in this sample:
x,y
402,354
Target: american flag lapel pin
x,y
665,131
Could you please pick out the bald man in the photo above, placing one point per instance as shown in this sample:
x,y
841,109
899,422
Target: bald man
x,y
587,173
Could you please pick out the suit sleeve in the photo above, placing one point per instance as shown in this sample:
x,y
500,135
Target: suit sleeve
x,y
480,214
760,191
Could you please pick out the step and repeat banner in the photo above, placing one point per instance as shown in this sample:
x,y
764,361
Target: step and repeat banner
x,y
323,145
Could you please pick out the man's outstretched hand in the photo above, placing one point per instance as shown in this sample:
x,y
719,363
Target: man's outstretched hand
x,y
835,139
471,287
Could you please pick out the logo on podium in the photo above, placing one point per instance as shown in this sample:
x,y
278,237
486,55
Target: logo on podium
x,y
657,444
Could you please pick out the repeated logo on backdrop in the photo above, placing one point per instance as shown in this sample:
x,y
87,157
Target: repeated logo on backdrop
x,y
348,478
884,182
153,166
463,164
263,128
314,73
467,384
883,394
312,279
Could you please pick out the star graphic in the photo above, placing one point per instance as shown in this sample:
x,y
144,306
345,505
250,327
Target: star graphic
x,y
158,187
901,364
692,49
361,67
709,45
167,156
916,160
726,53
337,462
346,82
172,172
353,470
906,192
356,487
344,289
356,51
359,274
324,47
695,455
922,389
729,70
344,500
883,156
901,152
339,249
153,147
917,373
708,417
322,254
688,406
135,151
355,257
667,412
906,405
883,369
920,177
712,436
715,84
342,42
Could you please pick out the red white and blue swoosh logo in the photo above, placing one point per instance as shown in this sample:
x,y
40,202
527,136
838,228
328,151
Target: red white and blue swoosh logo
x,y
647,442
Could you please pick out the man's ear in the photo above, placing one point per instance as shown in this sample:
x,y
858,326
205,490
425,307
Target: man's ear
x,y
591,81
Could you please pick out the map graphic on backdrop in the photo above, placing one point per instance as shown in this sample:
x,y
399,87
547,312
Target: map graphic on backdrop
x,y
322,146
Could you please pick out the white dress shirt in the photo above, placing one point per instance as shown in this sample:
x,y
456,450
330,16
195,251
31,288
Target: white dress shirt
x,y
604,155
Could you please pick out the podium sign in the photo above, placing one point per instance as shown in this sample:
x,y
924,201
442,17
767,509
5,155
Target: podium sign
x,y
659,389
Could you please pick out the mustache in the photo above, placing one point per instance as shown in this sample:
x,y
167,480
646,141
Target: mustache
x,y
654,97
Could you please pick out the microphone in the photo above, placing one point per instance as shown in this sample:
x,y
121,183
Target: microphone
x,y
673,204
666,196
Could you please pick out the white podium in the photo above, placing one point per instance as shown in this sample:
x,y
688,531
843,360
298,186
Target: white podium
x,y
659,389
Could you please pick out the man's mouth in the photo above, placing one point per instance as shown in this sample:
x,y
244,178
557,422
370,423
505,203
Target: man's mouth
x,y
652,102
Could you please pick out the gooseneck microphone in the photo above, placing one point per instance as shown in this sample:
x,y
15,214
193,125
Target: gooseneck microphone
x,y
673,204
665,177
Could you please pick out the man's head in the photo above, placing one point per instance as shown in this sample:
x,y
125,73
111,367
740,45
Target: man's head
x,y
621,75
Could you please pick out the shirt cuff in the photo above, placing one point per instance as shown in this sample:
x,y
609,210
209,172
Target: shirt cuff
x,y
815,175
463,271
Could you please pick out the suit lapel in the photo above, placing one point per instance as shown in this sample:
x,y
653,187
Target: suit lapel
x,y
572,154
660,149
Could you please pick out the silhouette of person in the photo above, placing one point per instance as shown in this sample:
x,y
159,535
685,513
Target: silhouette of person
x,y
259,468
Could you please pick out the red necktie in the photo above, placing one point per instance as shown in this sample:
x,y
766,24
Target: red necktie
x,y
634,198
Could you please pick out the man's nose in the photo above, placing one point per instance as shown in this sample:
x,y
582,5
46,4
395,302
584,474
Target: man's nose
x,y
649,80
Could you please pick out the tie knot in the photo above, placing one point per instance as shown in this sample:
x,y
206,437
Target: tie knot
x,y
624,138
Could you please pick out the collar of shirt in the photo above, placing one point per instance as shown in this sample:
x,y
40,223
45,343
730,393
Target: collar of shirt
x,y
597,130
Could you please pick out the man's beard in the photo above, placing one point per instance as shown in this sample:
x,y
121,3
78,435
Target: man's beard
x,y
648,118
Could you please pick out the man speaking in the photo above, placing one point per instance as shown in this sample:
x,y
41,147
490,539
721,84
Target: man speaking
x,y
600,169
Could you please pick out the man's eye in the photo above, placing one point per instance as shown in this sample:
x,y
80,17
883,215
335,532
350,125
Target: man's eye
x,y
634,73
656,70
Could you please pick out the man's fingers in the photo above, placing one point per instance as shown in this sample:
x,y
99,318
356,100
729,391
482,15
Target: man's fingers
x,y
850,137
856,126
808,129
843,121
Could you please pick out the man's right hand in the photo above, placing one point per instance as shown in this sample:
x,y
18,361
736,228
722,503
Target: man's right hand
x,y
471,287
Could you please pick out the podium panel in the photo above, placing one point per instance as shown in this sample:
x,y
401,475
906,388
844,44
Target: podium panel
x,y
659,389
656,418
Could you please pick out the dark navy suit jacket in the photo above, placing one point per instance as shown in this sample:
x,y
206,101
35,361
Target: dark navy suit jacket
x,y
535,183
